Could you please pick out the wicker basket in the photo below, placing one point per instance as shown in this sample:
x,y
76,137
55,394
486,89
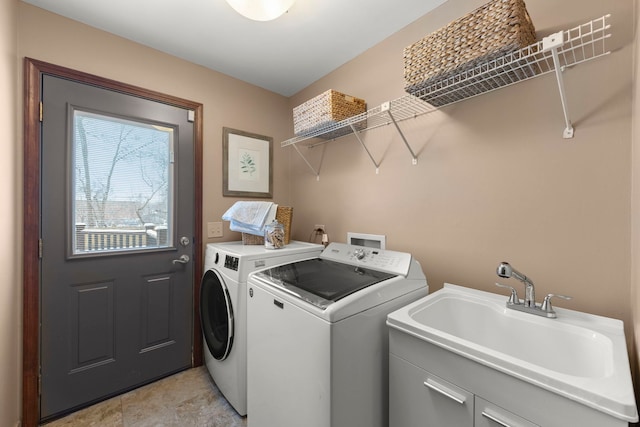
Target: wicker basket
x,y
283,215
328,108
492,30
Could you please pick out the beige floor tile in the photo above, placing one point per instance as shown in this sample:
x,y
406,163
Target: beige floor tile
x,y
107,414
189,398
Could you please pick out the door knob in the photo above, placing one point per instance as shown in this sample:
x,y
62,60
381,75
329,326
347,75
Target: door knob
x,y
182,260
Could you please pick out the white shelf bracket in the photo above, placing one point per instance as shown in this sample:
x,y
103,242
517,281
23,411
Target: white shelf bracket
x,y
355,132
387,107
315,172
552,43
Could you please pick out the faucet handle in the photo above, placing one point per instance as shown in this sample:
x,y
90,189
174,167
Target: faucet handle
x,y
546,303
513,299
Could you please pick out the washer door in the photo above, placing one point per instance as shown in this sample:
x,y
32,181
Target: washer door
x,y
216,315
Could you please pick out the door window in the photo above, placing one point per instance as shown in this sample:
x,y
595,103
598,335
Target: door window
x,y
122,185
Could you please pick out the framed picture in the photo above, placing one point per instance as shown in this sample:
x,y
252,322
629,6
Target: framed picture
x,y
247,164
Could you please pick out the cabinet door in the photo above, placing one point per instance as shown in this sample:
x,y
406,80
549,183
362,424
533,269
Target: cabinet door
x,y
420,399
490,415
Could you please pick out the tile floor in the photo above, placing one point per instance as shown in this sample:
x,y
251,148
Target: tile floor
x,y
187,399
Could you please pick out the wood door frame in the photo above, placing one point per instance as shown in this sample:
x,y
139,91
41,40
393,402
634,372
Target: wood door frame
x,y
34,70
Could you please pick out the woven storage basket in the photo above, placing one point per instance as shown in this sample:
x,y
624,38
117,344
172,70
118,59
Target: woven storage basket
x,y
492,30
328,108
283,215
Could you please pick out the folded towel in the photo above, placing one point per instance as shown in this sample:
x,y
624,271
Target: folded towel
x,y
249,213
250,217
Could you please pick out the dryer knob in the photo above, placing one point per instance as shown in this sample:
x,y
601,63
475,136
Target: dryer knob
x,y
217,258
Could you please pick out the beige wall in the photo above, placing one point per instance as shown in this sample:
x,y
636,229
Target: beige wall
x,y
495,181
635,196
10,255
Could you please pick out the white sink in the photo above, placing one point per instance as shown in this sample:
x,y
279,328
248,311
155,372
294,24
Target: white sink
x,y
580,356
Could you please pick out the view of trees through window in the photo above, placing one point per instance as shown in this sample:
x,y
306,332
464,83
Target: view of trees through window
x,y
122,174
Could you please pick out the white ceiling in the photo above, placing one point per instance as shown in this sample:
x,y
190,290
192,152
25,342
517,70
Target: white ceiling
x,y
285,55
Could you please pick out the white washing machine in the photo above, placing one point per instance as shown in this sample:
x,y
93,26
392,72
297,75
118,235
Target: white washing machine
x,y
223,312
319,343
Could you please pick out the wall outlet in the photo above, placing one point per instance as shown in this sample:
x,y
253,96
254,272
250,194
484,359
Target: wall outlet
x,y
319,227
214,229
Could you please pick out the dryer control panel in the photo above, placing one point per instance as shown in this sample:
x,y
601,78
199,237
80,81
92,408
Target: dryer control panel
x,y
376,259
231,262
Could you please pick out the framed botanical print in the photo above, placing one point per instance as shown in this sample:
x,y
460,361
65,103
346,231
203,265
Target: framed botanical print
x,y
247,164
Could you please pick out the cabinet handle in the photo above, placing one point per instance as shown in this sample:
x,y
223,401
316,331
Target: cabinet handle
x,y
440,389
495,420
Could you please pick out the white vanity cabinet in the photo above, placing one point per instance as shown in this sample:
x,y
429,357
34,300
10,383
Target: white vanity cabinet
x,y
413,403
430,386
420,398
489,415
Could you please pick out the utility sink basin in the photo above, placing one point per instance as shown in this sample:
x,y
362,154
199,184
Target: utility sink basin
x,y
577,355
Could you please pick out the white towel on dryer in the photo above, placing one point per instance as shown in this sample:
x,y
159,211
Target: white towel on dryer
x,y
250,217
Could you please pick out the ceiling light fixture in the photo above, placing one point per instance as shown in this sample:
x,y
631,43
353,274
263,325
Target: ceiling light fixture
x,y
261,10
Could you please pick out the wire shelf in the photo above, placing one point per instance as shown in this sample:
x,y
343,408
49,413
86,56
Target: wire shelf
x,y
579,44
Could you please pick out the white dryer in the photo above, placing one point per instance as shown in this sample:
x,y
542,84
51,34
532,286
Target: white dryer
x,y
223,312
319,342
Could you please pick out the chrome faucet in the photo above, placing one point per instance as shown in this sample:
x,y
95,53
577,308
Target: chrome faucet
x,y
505,270
529,304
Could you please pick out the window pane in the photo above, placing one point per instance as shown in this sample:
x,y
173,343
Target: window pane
x,y
122,184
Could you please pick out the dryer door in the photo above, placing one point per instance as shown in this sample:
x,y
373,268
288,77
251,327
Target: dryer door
x,y
216,315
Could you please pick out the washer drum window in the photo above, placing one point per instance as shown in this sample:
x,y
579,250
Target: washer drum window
x,y
216,315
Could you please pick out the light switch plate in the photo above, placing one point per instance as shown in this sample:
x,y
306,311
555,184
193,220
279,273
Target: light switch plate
x,y
214,229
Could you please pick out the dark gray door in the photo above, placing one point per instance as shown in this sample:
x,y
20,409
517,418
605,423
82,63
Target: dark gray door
x,y
117,237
